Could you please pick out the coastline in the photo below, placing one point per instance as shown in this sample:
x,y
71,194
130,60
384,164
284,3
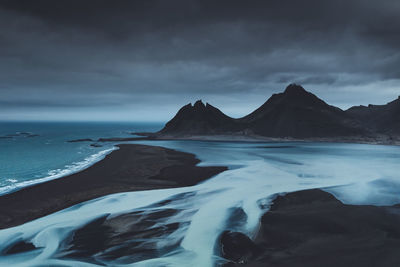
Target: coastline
x,y
380,140
71,169
244,138
130,168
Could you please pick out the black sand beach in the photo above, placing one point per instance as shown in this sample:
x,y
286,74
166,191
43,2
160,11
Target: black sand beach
x,y
312,228
131,168
305,228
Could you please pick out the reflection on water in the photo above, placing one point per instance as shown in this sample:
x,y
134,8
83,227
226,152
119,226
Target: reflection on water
x,y
179,227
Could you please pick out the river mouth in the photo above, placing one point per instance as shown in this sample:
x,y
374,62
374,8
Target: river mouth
x,y
180,226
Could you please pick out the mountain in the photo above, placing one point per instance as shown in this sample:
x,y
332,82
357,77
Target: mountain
x,y
382,119
294,113
199,119
300,114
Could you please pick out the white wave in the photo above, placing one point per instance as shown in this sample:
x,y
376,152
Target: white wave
x,y
58,173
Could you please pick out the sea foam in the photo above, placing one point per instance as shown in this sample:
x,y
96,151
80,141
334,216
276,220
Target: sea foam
x,y
57,173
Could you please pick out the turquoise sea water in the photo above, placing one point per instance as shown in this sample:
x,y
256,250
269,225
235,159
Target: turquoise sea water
x,y
37,151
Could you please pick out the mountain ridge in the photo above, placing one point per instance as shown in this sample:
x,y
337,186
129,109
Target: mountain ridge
x,y
294,113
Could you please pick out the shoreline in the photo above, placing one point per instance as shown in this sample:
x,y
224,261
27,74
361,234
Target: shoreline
x,y
76,167
235,138
132,167
251,139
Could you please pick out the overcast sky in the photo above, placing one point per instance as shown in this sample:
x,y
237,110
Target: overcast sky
x,y
143,60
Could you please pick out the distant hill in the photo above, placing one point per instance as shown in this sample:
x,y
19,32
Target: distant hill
x,y
382,119
295,113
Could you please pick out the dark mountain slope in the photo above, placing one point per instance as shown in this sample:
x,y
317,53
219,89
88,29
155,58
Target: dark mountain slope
x,y
300,114
383,119
199,119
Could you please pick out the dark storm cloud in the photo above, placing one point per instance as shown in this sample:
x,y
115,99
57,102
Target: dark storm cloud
x,y
141,54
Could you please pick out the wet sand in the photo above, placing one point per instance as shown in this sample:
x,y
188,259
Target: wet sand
x,y
130,168
377,140
312,228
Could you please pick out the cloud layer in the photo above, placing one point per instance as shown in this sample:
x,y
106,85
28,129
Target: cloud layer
x,y
141,60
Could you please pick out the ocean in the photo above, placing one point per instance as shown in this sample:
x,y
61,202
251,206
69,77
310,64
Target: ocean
x,y
258,171
33,152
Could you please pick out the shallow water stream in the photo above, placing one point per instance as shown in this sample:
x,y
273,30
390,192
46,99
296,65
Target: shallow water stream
x,y
180,227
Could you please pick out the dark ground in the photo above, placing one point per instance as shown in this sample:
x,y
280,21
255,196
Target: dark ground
x,y
131,168
312,228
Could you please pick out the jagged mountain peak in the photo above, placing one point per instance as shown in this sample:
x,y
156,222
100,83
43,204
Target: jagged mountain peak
x,y
293,97
198,118
295,89
296,95
199,104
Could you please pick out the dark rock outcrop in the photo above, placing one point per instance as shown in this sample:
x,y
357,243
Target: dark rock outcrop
x,y
383,119
95,145
236,247
80,140
312,228
19,247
